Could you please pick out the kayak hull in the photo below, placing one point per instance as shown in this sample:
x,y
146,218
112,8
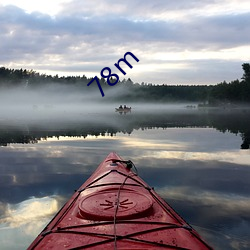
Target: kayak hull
x,y
116,209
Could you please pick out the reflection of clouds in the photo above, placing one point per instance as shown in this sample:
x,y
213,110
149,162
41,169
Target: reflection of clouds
x,y
172,143
222,219
228,203
22,222
29,212
155,140
2,209
185,139
226,240
236,156
147,144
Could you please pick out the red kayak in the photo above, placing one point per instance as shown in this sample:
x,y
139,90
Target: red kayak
x,y
116,209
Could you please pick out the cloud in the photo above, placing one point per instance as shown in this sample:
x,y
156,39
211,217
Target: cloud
x,y
146,9
86,36
117,30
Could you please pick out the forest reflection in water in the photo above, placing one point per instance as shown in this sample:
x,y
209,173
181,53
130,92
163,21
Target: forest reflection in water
x,y
193,159
77,124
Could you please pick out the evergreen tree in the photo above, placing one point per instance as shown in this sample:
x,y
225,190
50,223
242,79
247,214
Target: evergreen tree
x,y
246,69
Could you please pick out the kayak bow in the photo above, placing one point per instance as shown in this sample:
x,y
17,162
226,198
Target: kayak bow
x,y
116,209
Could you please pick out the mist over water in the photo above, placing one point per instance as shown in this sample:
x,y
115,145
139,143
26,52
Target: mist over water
x,y
64,103
48,102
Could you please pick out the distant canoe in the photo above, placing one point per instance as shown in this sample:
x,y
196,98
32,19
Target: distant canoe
x,y
128,109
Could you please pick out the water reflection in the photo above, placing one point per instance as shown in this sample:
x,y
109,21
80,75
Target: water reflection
x,y
195,166
31,210
21,221
111,123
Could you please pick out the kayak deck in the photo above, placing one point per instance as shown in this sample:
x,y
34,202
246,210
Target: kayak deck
x,y
116,209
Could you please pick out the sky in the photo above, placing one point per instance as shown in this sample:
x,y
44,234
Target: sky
x,y
176,42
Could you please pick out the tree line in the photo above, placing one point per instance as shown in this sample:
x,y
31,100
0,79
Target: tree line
x,y
236,91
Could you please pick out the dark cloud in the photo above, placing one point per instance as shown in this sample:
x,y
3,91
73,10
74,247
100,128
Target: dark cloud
x,y
225,31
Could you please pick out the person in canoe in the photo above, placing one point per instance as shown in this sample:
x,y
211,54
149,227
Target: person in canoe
x,y
124,109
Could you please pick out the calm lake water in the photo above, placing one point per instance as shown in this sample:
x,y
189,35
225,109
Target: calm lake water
x,y
197,160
